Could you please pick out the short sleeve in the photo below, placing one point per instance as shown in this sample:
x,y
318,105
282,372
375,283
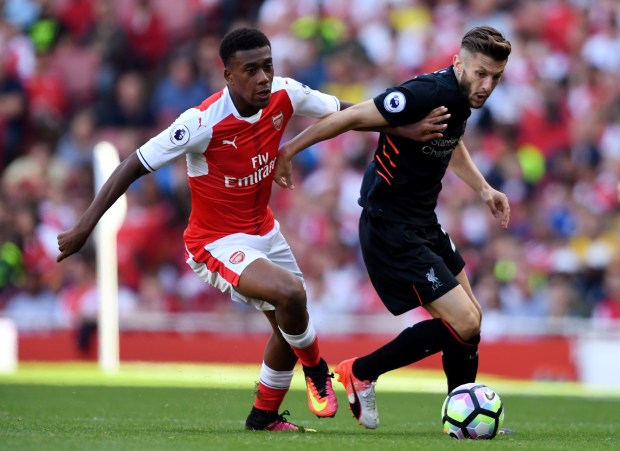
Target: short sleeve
x,y
407,103
307,101
184,136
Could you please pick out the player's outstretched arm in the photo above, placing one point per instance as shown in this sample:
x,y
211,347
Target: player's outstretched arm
x,y
463,166
360,116
427,129
70,241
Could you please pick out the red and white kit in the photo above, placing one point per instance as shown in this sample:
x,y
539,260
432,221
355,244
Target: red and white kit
x,y
230,163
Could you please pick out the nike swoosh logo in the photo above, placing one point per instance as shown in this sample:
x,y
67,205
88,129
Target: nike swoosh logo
x,y
354,403
316,405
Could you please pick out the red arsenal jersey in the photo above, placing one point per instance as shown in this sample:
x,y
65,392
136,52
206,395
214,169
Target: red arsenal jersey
x,y
230,158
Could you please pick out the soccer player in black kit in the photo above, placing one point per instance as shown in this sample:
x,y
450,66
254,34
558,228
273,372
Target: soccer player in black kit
x,y
411,260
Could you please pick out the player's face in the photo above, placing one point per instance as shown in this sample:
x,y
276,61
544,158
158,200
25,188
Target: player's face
x,y
478,75
249,75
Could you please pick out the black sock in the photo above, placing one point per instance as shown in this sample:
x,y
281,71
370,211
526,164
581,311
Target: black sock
x,y
259,418
460,362
414,343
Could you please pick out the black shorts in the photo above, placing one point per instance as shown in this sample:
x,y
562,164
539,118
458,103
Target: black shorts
x,y
409,266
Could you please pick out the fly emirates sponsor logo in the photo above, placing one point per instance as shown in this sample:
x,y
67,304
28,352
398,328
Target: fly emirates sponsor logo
x,y
262,167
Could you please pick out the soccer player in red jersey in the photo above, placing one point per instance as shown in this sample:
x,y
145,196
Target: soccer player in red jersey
x,y
232,240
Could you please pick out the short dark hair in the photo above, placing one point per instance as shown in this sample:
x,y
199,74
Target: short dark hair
x,y
241,39
488,41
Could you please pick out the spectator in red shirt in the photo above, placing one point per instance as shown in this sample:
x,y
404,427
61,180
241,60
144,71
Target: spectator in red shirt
x,y
148,41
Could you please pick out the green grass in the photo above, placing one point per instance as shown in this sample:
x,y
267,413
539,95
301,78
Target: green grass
x,y
185,407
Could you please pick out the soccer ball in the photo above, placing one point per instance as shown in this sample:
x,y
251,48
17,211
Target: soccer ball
x,y
472,411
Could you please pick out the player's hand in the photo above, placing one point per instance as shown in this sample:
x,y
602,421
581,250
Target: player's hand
x,y
70,241
498,204
283,172
429,128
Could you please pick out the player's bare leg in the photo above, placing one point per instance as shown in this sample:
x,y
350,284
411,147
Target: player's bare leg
x,y
264,280
267,281
278,353
464,281
276,374
460,311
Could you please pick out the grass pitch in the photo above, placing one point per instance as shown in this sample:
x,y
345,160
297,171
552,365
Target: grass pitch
x,y
187,407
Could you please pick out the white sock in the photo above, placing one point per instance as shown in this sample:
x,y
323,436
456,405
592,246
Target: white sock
x,y
279,380
301,341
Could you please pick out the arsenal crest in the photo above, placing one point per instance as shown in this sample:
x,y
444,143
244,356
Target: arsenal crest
x,y
237,257
278,120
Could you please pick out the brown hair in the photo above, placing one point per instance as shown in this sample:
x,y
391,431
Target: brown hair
x,y
488,41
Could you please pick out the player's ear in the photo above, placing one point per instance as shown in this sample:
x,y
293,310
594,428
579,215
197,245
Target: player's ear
x,y
227,75
457,62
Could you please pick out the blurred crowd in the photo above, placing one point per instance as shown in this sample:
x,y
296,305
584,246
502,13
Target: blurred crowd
x,y
76,72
